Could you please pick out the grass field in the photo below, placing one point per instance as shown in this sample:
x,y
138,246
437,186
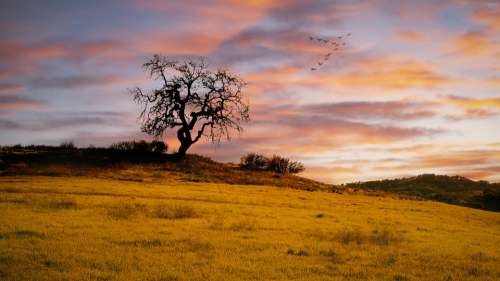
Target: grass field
x,y
82,228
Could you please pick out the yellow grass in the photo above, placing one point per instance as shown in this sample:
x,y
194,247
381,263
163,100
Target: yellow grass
x,y
78,228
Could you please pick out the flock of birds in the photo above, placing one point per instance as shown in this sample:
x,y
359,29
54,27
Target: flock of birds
x,y
332,45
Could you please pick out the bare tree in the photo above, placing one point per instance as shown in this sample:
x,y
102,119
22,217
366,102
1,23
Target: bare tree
x,y
192,99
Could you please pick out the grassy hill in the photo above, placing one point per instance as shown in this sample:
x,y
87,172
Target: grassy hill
x,y
139,166
449,189
88,228
144,166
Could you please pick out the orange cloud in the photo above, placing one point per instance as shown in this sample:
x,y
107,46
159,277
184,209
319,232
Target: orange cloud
x,y
409,36
473,44
470,103
385,73
328,174
196,35
471,114
488,15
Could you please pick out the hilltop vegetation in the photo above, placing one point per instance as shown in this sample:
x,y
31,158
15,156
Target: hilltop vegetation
x,y
136,161
449,189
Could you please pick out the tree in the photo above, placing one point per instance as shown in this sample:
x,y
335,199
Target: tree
x,y
193,99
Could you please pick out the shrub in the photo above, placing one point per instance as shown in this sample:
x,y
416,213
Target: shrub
x,y
140,146
284,165
126,210
157,146
254,161
277,164
67,145
174,212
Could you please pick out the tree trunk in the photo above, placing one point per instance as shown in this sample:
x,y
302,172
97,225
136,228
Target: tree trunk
x,y
183,148
184,137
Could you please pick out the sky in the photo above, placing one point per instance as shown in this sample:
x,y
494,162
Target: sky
x,y
415,89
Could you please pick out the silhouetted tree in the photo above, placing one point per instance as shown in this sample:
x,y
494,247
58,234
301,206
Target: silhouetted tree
x,y
193,99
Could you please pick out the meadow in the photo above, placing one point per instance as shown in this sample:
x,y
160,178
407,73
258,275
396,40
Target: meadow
x,y
93,228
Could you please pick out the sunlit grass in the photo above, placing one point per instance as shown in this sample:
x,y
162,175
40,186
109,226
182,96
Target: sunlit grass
x,y
77,228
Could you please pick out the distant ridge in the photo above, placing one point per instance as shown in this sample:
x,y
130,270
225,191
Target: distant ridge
x,y
456,190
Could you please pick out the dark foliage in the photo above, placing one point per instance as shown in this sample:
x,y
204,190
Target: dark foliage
x,y
193,100
68,145
277,164
254,161
140,146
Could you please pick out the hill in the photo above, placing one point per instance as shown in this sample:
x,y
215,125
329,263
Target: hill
x,y
85,228
449,189
145,166
139,166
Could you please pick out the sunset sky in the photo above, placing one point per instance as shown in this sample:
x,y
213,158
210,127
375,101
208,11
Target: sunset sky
x,y
415,90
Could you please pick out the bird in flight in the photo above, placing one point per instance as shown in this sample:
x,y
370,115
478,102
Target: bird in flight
x,y
331,45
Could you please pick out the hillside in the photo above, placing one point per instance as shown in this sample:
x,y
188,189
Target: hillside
x,y
143,166
83,228
139,166
449,189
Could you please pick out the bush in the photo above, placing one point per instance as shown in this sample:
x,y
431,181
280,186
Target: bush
x,y
254,161
284,165
174,212
67,145
277,164
140,146
157,146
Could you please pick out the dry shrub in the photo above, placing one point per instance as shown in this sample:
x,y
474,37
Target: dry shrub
x,y
126,210
155,146
276,163
351,236
382,237
243,225
300,253
254,161
62,204
174,212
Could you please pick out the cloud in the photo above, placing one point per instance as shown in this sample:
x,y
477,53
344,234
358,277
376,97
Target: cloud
x,y
193,34
76,81
10,87
409,36
378,72
22,58
19,103
478,164
48,121
472,103
393,110
9,125
475,43
471,114
335,174
488,14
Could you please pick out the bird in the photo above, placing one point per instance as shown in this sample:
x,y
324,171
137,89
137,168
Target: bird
x,y
331,45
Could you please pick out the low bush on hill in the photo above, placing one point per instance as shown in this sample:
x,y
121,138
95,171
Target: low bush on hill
x,y
276,163
140,146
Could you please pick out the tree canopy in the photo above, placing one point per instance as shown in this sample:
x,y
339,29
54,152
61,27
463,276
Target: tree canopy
x,y
193,100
